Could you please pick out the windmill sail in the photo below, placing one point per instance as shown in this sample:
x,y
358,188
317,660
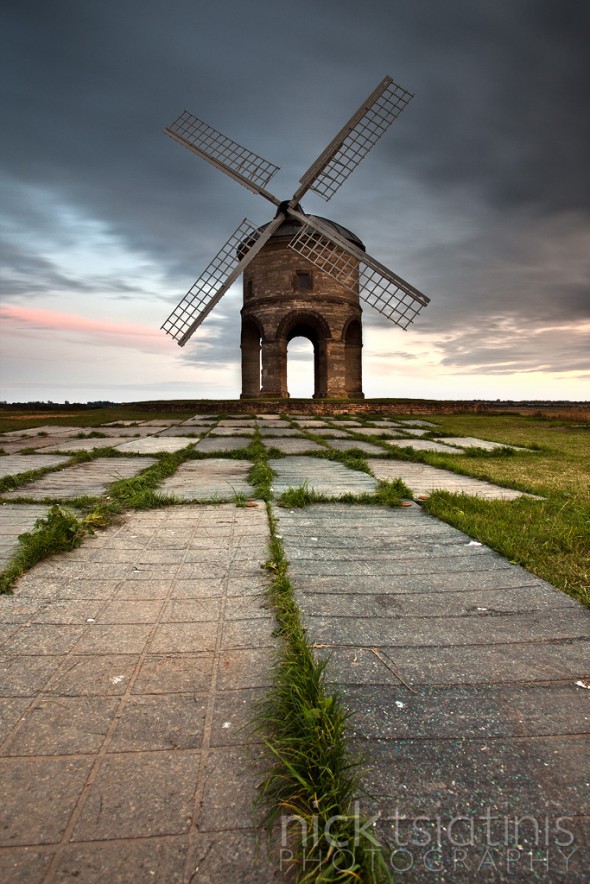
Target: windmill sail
x,y
251,170
242,246
383,290
355,140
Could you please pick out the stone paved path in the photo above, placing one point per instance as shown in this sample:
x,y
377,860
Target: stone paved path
x,y
461,671
214,477
422,479
85,478
128,667
322,476
128,670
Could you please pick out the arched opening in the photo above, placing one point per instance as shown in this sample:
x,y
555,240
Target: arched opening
x,y
301,367
353,347
311,326
250,344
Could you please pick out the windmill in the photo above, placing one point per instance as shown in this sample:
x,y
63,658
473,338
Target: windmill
x,y
303,274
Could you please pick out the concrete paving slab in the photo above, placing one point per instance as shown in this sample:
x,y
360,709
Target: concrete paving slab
x,y
91,478
15,520
117,756
309,423
378,431
186,430
232,431
47,430
13,446
473,442
411,431
249,423
422,479
210,478
424,445
11,465
347,444
417,423
219,443
463,703
74,445
132,431
282,432
155,444
293,446
160,423
324,476
330,433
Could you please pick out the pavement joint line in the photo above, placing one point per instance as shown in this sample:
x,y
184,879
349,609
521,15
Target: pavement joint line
x,y
100,755
197,801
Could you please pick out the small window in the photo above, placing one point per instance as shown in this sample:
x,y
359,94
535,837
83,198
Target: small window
x,y
249,288
303,280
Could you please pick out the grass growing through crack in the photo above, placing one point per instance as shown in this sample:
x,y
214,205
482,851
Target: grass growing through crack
x,y
311,774
59,531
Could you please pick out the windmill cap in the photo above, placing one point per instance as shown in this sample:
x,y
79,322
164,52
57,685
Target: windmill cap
x,y
291,226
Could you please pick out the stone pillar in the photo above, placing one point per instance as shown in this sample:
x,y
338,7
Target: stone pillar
x,y
250,345
274,368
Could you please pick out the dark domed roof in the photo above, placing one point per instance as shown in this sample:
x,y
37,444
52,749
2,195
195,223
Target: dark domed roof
x,y
291,226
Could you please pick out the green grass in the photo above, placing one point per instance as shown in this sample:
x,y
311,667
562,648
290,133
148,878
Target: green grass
x,y
311,774
548,537
59,531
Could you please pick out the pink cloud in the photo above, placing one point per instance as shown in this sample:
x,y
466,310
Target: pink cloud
x,y
33,317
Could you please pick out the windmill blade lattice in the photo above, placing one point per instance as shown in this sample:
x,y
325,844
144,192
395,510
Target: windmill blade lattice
x,y
383,290
251,170
355,140
211,285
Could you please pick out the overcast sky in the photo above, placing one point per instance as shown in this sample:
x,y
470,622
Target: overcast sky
x,y
479,194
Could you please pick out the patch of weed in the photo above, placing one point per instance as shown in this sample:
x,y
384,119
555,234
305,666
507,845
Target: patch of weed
x,y
311,774
59,531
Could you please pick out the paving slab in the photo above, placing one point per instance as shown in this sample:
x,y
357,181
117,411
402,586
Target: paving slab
x,y
323,476
473,442
14,445
213,477
48,430
11,465
464,704
293,446
155,444
347,444
91,478
378,431
424,445
123,756
83,444
423,479
417,423
132,431
283,432
15,520
191,430
220,443
232,431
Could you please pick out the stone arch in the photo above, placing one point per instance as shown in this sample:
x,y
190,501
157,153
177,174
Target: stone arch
x,y
310,325
353,347
250,343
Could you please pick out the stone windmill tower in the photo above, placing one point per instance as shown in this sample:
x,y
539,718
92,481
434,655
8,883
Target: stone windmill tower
x,y
303,275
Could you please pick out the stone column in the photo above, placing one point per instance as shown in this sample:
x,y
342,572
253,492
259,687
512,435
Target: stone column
x,y
274,369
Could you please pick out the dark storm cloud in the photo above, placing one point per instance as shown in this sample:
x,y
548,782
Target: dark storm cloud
x,y
498,137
